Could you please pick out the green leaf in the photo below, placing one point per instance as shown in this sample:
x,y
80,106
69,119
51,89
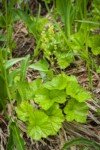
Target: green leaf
x,y
94,43
76,43
41,65
23,16
39,126
29,21
12,76
59,82
27,90
35,85
2,20
13,61
61,6
18,141
24,110
83,142
10,144
75,110
47,98
64,8
71,79
88,22
96,50
3,92
48,73
24,90
55,118
24,67
74,90
64,58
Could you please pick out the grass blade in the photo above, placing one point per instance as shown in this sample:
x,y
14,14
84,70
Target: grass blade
x,y
10,144
24,67
18,141
89,22
13,61
81,141
64,8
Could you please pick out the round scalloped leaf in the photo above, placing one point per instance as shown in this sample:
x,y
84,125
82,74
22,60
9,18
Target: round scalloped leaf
x,y
59,82
46,98
24,110
39,126
77,111
74,90
55,118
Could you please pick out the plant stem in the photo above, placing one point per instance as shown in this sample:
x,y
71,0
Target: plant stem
x,y
68,19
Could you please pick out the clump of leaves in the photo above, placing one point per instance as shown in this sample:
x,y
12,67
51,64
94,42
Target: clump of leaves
x,y
54,47
47,118
40,123
7,77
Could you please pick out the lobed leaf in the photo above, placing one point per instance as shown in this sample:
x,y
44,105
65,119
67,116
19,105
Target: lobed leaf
x,y
94,43
64,58
55,118
39,126
27,90
77,111
24,110
59,82
47,98
74,90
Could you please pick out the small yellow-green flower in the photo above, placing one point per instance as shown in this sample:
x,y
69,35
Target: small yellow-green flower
x,y
55,47
51,30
